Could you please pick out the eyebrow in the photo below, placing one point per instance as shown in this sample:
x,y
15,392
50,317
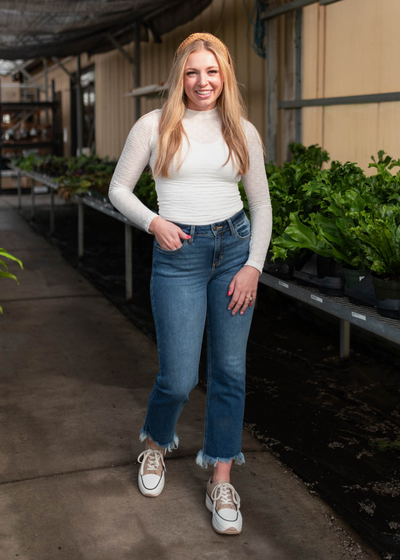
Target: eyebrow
x,y
209,68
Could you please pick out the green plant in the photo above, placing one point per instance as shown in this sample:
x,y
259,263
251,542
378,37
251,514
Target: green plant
x,y
4,268
315,155
379,232
145,190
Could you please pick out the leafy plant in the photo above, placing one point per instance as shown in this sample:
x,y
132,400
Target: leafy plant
x,y
145,190
315,155
4,268
379,232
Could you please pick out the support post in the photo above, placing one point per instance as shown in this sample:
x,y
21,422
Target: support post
x,y
299,72
136,77
344,340
80,228
1,142
32,199
51,211
128,262
79,115
288,125
46,88
272,90
19,189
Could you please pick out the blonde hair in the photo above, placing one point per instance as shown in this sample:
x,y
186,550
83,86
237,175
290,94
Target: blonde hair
x,y
230,104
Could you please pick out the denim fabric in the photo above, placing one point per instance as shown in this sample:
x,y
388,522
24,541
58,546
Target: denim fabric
x,y
189,292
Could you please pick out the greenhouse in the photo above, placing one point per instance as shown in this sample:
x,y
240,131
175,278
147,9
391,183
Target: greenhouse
x,y
92,292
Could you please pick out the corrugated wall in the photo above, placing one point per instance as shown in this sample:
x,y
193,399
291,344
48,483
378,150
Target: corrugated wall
x,y
115,114
351,48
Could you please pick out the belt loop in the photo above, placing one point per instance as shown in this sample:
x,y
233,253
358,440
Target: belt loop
x,y
192,228
231,226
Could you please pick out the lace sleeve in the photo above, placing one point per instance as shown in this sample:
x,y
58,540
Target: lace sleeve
x,y
134,158
255,183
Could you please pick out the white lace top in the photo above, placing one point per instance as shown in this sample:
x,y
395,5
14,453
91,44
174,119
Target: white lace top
x,y
204,190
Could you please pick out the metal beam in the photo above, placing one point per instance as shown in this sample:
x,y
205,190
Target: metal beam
x,y
272,91
294,5
30,78
79,108
46,87
114,41
344,340
346,100
61,65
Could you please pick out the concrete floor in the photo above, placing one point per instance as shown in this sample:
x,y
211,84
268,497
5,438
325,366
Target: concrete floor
x,y
75,376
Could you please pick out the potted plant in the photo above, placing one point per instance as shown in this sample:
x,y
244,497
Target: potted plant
x,y
287,196
379,232
332,201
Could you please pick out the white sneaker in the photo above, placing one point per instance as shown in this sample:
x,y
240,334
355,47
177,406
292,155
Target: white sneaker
x,y
224,503
152,471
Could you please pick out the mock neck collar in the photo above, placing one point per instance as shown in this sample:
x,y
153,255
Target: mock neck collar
x,y
212,113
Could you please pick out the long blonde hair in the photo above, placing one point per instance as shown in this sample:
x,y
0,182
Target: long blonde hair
x,y
230,104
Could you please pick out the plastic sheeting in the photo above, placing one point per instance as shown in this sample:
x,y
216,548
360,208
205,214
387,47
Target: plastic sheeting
x,y
46,28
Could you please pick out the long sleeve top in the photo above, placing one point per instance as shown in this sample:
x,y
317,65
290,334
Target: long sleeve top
x,y
203,190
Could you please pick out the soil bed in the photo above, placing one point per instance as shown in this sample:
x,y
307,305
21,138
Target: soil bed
x,y
337,428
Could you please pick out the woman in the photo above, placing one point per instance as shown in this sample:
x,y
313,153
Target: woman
x,y
206,261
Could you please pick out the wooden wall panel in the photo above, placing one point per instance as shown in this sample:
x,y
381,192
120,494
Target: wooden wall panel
x,y
350,48
312,126
389,129
362,42
227,19
351,132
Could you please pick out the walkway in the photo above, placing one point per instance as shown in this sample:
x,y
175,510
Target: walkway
x,y
74,383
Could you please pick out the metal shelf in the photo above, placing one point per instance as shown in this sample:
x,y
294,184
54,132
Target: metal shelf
x,y
147,91
105,208
28,144
364,317
22,105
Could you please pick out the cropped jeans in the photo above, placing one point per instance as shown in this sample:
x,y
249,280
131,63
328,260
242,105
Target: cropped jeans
x,y
189,292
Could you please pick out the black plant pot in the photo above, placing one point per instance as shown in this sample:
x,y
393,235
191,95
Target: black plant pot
x,y
322,272
284,269
364,294
352,277
386,288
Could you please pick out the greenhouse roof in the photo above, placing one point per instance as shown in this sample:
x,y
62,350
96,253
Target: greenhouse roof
x,y
46,28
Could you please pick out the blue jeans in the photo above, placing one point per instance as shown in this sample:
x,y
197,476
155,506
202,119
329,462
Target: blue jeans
x,y
189,291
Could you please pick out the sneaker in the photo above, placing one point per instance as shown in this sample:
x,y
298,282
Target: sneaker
x,y
224,503
152,471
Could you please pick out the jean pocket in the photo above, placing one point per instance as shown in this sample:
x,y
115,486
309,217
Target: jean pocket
x,y
243,229
158,246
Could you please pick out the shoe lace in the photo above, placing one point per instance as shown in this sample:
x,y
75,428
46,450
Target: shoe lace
x,y
152,458
227,495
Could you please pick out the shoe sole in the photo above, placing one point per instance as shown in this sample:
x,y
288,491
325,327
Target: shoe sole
x,y
230,531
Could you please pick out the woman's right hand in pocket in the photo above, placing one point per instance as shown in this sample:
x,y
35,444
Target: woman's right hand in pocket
x,y
169,236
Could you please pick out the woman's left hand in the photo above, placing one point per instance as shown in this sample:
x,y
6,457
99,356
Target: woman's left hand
x,y
243,286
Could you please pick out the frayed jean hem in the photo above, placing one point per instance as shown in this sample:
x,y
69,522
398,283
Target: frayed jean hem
x,y
204,460
169,446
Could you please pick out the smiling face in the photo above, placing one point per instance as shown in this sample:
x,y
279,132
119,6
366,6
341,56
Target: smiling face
x,y
203,81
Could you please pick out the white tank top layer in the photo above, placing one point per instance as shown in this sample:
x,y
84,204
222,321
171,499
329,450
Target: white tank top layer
x,y
204,190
